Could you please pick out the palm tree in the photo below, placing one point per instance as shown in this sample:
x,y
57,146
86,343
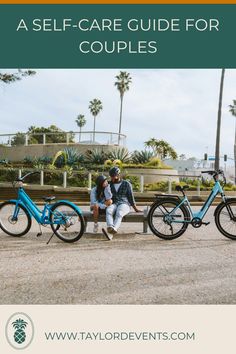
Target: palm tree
x,y
233,111
161,148
122,84
217,149
95,107
165,150
8,78
151,143
80,121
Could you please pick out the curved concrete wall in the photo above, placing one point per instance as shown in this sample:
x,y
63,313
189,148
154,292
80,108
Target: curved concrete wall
x,y
18,153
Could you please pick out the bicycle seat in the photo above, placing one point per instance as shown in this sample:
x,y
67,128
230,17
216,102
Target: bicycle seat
x,y
181,189
210,172
48,199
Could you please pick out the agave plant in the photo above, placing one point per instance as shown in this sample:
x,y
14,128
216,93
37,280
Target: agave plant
x,y
121,154
142,156
69,156
96,156
45,160
28,160
40,162
73,156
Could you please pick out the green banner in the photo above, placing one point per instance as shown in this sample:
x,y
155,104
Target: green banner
x,y
123,36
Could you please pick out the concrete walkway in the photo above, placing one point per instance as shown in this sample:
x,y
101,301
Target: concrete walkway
x,y
197,268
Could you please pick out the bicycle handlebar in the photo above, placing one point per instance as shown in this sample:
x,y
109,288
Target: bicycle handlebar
x,y
215,174
21,179
211,172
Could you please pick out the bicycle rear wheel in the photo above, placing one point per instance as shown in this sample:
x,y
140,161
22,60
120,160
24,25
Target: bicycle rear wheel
x,y
166,223
225,218
66,222
14,220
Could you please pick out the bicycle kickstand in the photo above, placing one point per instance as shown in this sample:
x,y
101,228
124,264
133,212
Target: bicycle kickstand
x,y
53,234
50,238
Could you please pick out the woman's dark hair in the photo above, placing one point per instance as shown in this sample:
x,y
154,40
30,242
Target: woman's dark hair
x,y
100,190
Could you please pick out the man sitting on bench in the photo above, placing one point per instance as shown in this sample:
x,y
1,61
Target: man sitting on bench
x,y
122,197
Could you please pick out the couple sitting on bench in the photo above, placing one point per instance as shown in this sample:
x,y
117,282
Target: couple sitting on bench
x,y
114,198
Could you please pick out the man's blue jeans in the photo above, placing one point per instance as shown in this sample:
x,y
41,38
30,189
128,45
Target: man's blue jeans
x,y
119,211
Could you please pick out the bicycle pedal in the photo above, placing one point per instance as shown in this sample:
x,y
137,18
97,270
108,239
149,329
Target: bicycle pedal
x,y
39,234
206,223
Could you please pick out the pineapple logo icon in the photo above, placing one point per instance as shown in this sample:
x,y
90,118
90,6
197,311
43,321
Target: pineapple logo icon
x,y
19,334
19,330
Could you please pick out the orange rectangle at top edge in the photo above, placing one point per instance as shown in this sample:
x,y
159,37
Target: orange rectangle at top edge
x,y
68,2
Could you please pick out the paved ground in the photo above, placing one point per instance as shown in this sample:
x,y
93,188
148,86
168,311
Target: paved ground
x,y
197,268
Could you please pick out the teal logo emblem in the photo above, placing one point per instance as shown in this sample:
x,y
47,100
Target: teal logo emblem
x,y
19,330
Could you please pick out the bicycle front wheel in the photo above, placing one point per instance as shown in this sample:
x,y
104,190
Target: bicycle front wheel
x,y
14,219
66,222
225,218
167,220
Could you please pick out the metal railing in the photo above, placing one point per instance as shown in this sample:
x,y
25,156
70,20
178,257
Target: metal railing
x,y
169,180
72,137
88,176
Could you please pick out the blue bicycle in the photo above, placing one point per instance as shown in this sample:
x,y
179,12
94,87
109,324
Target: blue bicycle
x,y
65,218
170,215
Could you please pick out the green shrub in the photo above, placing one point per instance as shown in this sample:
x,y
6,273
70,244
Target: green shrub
x,y
134,180
53,178
78,180
8,175
108,163
154,162
158,186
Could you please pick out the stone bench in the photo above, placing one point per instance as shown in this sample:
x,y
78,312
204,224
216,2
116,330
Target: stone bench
x,y
131,217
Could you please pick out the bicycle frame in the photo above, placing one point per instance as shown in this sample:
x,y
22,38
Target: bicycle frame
x,y
41,216
217,189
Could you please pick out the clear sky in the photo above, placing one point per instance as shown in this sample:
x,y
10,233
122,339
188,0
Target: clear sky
x,y
179,106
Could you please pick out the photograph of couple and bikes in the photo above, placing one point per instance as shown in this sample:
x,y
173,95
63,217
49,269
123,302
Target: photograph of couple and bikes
x,y
102,171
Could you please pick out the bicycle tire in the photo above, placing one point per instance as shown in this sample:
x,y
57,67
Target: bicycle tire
x,y
224,221
161,207
60,230
11,222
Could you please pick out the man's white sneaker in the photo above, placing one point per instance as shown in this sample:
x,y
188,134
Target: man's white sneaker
x,y
111,230
109,237
95,228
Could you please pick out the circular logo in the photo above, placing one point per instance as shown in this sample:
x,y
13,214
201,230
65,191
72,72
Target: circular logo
x,y
19,330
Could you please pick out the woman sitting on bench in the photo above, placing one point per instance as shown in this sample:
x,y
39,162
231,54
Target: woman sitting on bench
x,y
100,198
